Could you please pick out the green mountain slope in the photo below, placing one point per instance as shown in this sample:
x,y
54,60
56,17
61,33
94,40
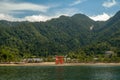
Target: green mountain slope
x,y
61,35
110,32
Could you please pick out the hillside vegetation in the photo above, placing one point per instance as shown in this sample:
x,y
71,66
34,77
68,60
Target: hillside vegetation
x,y
60,36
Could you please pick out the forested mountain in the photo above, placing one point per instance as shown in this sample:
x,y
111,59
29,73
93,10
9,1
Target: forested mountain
x,y
110,32
60,35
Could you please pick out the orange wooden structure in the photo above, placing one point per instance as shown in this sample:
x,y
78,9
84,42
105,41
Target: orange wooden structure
x,y
59,59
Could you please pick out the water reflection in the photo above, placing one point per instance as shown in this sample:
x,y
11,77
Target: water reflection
x,y
59,74
103,73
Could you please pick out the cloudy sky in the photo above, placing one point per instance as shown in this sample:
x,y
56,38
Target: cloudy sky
x,y
42,10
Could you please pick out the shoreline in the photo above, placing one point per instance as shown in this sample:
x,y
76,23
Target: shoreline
x,y
65,64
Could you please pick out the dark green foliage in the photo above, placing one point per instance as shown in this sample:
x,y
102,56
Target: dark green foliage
x,y
61,36
8,54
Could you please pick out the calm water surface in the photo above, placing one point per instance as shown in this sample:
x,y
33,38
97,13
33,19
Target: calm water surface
x,y
60,73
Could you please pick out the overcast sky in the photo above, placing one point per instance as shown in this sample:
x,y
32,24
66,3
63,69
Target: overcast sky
x,y
42,10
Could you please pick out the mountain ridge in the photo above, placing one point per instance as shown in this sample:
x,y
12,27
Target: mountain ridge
x,y
59,35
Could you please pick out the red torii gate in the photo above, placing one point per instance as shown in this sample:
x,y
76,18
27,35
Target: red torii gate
x,y
59,59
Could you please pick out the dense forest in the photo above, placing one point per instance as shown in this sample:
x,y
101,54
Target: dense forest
x,y
73,36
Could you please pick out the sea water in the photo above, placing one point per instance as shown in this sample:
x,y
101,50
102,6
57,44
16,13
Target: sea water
x,y
60,72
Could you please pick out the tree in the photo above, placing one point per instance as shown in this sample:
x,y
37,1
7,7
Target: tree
x,y
8,54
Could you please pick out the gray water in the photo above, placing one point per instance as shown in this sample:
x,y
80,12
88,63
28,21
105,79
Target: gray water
x,y
60,73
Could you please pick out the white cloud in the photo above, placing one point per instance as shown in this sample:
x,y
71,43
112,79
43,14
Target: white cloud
x,y
101,17
11,7
5,17
38,18
65,11
33,18
7,6
9,17
109,3
76,2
